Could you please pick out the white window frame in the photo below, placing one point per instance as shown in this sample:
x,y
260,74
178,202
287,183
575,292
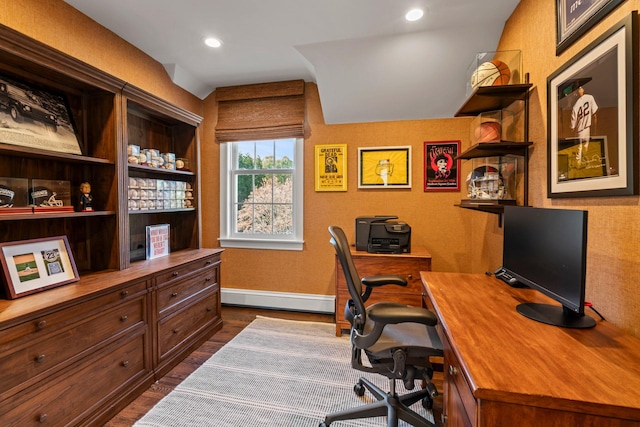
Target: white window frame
x,y
229,238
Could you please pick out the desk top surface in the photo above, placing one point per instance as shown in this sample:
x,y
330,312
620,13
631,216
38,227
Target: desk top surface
x,y
508,357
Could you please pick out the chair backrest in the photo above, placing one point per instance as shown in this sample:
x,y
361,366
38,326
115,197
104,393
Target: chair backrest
x,y
341,245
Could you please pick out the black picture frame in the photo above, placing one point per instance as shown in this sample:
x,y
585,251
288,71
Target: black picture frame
x,y
574,19
607,70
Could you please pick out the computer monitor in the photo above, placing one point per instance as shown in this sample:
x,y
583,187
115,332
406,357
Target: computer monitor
x,y
546,249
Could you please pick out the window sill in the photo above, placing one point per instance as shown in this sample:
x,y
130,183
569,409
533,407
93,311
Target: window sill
x,y
282,245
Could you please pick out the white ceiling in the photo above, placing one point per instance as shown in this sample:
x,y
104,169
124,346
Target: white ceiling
x,y
368,62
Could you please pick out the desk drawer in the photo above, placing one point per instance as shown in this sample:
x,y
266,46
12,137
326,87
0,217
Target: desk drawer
x,y
40,356
76,392
458,392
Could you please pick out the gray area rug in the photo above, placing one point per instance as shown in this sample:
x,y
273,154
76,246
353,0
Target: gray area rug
x,y
273,373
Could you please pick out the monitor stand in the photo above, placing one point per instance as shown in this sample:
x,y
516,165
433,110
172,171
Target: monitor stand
x,y
555,315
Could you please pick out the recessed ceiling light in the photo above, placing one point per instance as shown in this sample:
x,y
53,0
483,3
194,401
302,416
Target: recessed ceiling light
x,y
414,14
212,42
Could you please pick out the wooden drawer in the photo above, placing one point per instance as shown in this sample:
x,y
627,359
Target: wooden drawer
x,y
18,335
457,391
38,357
172,294
177,327
76,392
184,270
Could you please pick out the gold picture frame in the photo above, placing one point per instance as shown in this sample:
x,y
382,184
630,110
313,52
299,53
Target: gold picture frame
x,y
331,167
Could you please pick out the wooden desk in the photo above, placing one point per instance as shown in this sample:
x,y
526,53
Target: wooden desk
x,y
503,369
405,265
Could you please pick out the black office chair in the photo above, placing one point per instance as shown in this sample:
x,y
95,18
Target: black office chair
x,y
398,341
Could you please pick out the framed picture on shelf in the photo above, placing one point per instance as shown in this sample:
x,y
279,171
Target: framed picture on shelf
x,y
31,266
36,118
384,167
331,167
592,140
441,168
574,18
158,240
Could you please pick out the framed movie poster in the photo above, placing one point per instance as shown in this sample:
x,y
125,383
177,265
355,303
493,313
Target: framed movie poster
x,y
574,18
32,266
384,167
591,111
331,167
441,168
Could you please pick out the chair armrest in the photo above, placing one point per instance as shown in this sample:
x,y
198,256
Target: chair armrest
x,y
381,280
397,313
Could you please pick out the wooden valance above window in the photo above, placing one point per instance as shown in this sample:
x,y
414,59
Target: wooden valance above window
x,y
261,111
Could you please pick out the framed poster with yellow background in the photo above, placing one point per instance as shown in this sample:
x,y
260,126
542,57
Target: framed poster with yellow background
x,y
384,167
331,167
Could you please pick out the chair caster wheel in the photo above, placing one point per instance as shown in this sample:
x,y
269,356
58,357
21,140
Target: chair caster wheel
x,y
427,402
359,389
323,424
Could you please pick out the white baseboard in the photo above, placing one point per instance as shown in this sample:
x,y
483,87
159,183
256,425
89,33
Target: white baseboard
x,y
279,300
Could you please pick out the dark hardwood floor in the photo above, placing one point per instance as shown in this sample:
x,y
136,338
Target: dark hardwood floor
x,y
235,319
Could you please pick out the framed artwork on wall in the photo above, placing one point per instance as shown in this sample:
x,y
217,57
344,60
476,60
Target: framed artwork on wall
x,y
384,167
592,136
31,266
574,18
331,167
441,168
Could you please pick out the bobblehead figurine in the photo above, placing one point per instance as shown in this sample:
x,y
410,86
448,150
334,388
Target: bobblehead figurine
x,y
86,199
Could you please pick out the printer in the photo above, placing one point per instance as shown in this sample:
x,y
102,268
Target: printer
x,y
378,234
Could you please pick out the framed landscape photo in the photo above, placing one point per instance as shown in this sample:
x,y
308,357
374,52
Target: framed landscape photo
x,y
331,167
31,266
574,18
384,167
591,110
441,168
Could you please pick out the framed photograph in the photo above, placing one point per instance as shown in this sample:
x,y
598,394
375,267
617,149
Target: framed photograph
x,y
592,136
31,266
441,168
574,18
36,118
384,167
331,167
158,240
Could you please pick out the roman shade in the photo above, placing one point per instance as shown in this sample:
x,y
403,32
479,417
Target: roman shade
x,y
261,111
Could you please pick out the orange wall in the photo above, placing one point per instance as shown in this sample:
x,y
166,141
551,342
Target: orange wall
x,y
459,240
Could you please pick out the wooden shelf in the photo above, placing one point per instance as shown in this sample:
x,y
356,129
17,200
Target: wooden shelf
x,y
158,171
491,149
488,98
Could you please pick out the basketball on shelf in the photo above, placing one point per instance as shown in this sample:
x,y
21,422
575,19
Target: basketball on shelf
x,y
488,132
492,73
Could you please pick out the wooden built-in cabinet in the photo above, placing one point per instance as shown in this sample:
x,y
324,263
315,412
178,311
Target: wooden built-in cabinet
x,y
406,265
77,354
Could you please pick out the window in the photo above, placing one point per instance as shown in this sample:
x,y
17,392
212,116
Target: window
x,y
261,194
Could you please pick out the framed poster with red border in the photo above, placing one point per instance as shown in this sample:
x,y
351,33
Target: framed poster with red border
x,y
441,166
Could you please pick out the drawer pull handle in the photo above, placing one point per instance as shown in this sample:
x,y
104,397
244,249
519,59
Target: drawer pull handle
x,y
124,294
207,279
453,370
175,294
43,418
175,274
209,309
410,276
208,262
175,331
125,363
40,358
124,318
42,324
